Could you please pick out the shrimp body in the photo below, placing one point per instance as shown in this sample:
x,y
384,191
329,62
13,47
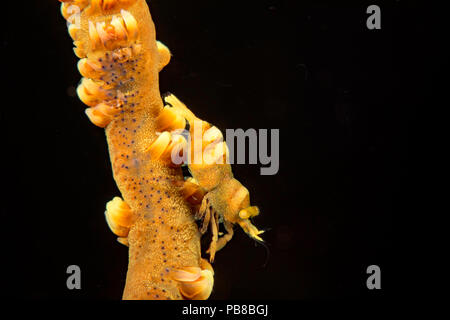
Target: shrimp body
x,y
225,198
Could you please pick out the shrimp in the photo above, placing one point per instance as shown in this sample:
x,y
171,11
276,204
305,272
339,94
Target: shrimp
x,y
225,198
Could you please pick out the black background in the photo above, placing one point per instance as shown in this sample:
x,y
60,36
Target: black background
x,y
345,99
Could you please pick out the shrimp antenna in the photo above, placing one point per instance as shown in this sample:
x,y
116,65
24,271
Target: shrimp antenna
x,y
266,246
